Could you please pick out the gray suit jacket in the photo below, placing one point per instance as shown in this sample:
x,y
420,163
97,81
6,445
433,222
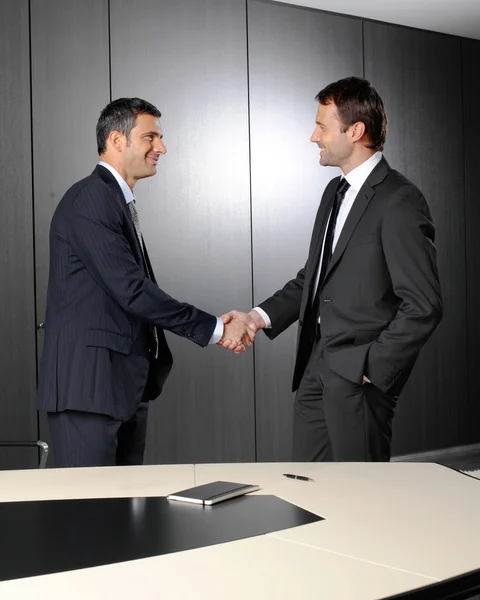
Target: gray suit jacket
x,y
380,300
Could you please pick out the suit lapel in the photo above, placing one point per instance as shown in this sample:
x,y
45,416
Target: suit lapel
x,y
116,190
149,264
319,228
111,182
365,194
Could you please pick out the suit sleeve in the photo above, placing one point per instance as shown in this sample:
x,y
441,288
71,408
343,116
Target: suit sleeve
x,y
283,308
96,236
408,243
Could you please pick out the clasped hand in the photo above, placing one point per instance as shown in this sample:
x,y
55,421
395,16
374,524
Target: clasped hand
x,y
240,330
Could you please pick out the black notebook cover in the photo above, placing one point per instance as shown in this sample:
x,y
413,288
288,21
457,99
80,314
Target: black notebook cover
x,y
211,493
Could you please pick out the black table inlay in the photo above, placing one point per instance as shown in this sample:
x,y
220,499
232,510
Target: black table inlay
x,y
60,535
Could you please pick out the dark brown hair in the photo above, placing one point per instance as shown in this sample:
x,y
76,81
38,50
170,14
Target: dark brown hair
x,y
356,100
121,115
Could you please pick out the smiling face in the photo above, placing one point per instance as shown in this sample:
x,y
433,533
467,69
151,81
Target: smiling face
x,y
142,149
332,137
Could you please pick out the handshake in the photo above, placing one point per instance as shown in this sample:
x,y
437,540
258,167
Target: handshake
x,y
240,330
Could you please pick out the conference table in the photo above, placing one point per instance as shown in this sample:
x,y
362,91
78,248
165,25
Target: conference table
x,y
388,528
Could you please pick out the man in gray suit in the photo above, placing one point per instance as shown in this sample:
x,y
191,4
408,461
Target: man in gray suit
x,y
368,297
105,354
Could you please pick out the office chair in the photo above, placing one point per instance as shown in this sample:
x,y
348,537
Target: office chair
x,y
42,445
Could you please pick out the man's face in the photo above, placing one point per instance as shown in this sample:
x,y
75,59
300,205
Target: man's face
x,y
335,146
143,148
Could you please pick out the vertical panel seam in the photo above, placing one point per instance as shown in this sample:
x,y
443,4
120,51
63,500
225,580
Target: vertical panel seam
x,y
363,48
109,49
34,258
251,225
465,229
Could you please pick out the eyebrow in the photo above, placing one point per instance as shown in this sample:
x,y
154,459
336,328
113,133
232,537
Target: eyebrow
x,y
154,133
320,123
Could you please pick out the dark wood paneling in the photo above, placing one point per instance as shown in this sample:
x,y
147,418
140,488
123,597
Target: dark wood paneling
x,y
418,75
188,57
70,86
471,135
293,53
18,418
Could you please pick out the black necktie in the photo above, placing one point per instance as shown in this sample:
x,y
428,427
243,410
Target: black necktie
x,y
310,319
136,222
328,246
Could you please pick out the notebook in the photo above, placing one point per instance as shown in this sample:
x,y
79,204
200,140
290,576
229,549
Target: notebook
x,y
211,493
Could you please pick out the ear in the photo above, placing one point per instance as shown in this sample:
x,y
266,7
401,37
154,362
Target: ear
x,y
357,131
116,141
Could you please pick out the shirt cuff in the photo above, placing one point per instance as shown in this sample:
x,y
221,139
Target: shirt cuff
x,y
218,333
265,317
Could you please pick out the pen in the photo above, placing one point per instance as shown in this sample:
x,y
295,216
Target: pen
x,y
302,477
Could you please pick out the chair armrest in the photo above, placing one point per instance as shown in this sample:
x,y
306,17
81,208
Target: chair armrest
x,y
42,445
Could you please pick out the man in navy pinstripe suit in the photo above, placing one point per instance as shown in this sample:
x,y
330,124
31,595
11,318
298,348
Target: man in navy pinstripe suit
x,y
105,354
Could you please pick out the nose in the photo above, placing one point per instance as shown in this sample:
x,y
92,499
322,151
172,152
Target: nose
x,y
160,147
315,137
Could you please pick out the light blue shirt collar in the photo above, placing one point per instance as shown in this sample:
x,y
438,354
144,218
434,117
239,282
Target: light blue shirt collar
x,y
127,192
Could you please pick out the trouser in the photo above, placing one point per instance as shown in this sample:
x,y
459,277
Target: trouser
x,y
84,439
338,420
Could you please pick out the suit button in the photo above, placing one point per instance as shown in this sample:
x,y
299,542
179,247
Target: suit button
x,y
327,300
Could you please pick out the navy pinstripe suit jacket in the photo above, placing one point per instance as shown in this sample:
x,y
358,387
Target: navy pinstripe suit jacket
x,y
100,308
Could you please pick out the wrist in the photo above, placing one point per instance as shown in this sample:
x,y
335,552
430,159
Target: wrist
x,y
257,317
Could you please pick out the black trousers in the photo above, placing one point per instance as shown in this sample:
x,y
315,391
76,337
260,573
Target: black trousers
x,y
338,420
83,439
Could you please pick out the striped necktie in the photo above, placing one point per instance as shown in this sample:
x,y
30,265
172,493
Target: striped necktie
x,y
136,223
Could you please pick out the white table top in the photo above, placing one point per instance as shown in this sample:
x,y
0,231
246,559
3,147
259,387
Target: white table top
x,y
389,528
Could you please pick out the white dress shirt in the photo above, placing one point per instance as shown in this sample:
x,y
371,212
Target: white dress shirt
x,y
356,178
129,197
